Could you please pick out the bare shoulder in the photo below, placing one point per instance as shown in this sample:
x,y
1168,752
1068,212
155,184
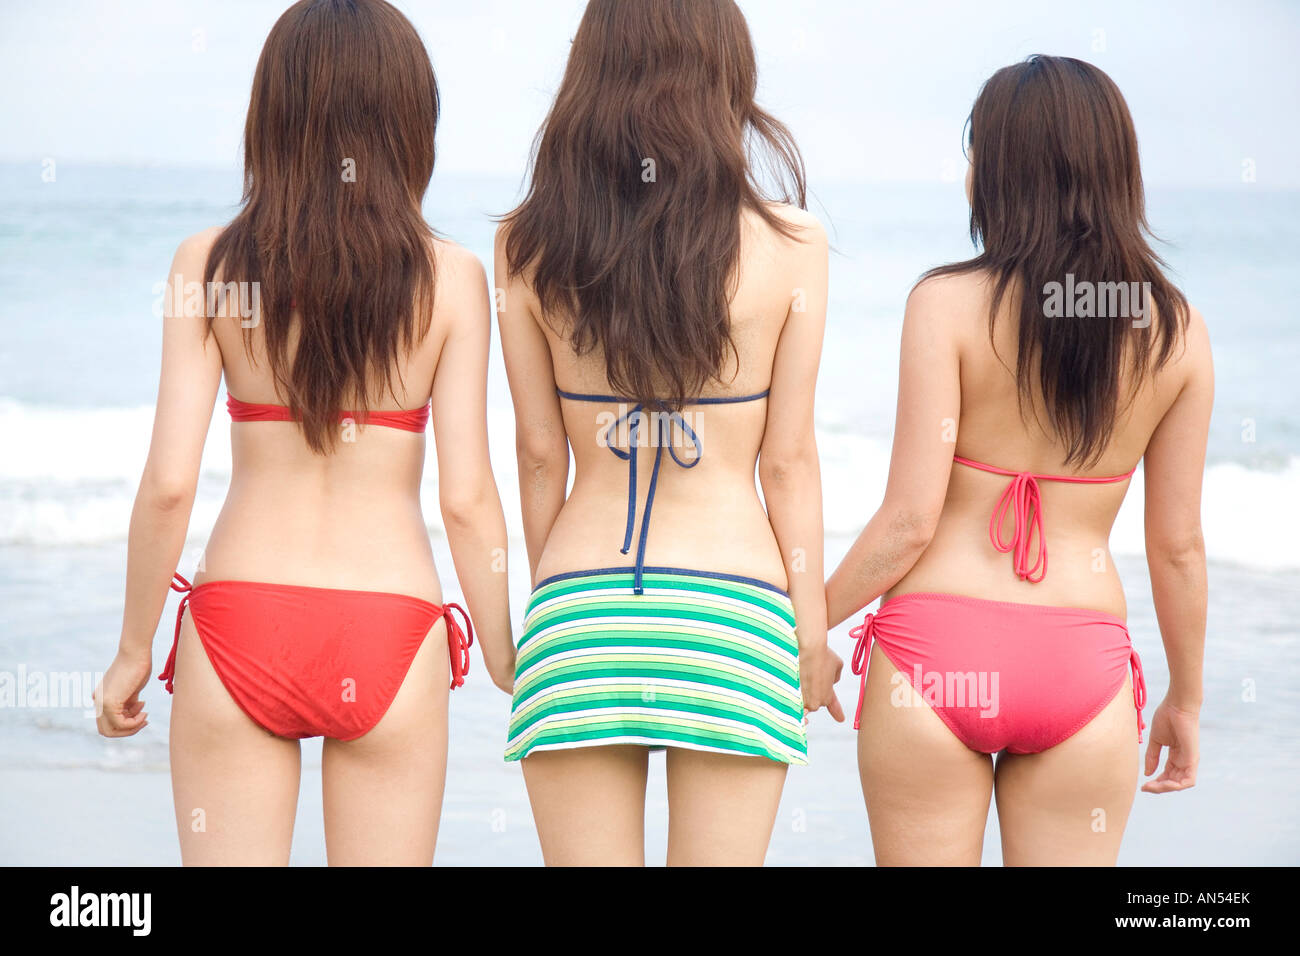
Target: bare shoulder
x,y
521,292
803,228
1198,333
949,290
460,277
192,253
1193,353
460,288
456,265
949,302
500,244
797,217
500,238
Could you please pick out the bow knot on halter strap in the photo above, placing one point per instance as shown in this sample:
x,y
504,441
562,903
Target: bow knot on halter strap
x,y
665,425
1023,500
663,428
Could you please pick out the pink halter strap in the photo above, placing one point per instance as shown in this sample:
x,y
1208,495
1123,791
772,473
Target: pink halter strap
x,y
1023,500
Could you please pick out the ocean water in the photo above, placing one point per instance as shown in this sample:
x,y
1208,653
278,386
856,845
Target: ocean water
x,y
81,262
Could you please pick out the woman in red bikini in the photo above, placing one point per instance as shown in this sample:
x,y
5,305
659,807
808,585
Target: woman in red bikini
x,y
317,609
1021,419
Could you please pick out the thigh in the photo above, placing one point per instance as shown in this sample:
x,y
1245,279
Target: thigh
x,y
721,807
383,791
235,785
589,804
1068,806
927,793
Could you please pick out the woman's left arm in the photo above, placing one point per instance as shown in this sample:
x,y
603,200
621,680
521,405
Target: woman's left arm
x,y
187,390
790,472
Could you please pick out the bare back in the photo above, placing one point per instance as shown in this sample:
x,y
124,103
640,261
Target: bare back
x,y
990,428
708,516
347,519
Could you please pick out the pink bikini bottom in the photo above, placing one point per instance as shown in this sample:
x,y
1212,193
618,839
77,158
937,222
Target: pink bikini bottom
x,y
1003,676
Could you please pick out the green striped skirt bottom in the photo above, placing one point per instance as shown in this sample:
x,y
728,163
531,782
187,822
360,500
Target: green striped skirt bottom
x,y
700,660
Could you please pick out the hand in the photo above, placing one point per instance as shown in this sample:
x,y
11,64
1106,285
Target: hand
x,y
502,672
1179,730
119,711
819,670
505,680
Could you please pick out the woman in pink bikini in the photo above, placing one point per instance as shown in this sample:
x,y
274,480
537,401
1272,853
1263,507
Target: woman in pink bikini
x,y
1033,379
317,609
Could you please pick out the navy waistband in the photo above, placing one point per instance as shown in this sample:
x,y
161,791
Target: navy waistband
x,y
715,575
664,422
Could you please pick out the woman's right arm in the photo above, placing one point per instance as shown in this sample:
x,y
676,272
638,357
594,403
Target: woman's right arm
x,y
541,444
1174,464
187,390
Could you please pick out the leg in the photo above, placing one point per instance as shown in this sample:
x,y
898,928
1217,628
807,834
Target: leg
x,y
721,807
383,791
589,804
927,793
1067,806
235,785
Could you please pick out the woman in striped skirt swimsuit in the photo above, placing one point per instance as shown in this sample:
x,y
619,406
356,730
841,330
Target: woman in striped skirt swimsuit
x,y
663,319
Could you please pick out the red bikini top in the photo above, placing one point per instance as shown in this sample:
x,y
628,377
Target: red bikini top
x,y
408,420
1024,503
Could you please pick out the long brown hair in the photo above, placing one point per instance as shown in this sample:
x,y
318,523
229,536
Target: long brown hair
x,y
631,224
1056,191
338,152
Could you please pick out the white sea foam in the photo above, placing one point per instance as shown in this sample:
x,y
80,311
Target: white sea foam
x,y
68,477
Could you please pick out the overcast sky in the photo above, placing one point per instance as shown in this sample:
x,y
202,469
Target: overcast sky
x,y
873,91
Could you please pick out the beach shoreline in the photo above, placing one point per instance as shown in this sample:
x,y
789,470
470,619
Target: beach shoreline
x,y
68,796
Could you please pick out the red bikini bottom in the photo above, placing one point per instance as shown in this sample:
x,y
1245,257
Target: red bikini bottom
x,y
313,662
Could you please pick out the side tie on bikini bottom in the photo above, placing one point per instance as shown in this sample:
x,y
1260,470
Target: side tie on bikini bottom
x,y
458,642
864,633
184,587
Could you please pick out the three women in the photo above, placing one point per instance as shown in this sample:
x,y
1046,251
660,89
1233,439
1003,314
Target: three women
x,y
655,300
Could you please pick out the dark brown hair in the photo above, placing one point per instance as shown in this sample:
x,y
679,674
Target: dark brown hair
x,y
338,152
1056,189
631,224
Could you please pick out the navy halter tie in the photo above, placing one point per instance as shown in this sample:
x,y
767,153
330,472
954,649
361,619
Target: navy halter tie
x,y
664,422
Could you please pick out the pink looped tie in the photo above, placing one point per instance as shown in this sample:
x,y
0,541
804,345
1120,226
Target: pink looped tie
x,y
864,633
1139,689
1025,503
